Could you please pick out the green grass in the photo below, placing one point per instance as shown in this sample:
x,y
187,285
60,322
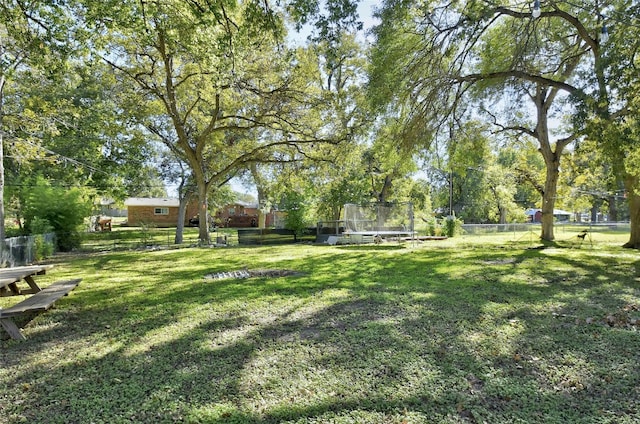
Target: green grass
x,y
460,331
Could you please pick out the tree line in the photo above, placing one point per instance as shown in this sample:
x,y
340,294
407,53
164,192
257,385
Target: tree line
x,y
466,108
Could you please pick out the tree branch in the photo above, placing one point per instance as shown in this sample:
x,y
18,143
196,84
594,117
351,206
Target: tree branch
x,y
572,20
516,74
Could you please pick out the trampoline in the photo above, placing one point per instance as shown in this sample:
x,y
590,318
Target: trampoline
x,y
384,220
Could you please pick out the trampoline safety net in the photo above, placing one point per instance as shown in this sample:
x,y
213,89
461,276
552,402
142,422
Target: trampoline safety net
x,y
379,218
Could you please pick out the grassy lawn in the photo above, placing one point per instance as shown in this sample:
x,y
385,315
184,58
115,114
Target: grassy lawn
x,y
466,330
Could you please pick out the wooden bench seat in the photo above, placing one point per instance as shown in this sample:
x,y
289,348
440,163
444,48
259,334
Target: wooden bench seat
x,y
38,302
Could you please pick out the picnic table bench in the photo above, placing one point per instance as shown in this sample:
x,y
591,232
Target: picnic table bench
x,y
39,300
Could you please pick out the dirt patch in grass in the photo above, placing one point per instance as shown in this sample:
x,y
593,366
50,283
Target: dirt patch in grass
x,y
506,261
250,273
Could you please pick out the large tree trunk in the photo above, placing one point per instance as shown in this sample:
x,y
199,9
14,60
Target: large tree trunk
x,y
613,209
632,185
503,215
2,232
552,162
551,155
262,216
594,213
182,211
183,198
386,188
548,204
203,214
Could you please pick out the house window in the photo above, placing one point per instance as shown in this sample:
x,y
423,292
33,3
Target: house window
x,y
232,211
161,211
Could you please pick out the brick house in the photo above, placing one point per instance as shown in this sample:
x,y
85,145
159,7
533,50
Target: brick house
x,y
238,214
159,212
245,215
535,215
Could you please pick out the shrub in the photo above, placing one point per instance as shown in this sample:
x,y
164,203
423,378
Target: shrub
x,y
433,227
146,236
452,226
43,248
64,210
39,227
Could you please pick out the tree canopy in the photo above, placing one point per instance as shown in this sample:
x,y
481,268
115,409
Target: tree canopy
x,y
498,104
451,62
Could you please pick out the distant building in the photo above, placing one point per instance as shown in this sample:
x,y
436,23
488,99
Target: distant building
x,y
245,215
108,207
159,212
535,215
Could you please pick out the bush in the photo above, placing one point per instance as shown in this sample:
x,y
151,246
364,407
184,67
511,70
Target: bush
x,y
43,248
39,227
62,210
452,226
146,236
433,227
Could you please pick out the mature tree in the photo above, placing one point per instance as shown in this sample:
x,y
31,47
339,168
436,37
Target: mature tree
x,y
388,162
349,186
482,188
261,183
217,85
468,155
420,196
528,168
445,52
336,171
32,38
59,113
176,172
333,172
611,109
89,141
621,143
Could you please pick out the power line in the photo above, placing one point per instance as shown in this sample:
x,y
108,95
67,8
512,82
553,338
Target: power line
x,y
67,159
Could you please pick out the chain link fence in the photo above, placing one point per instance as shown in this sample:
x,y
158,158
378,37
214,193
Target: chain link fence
x,y
581,232
138,238
559,227
25,250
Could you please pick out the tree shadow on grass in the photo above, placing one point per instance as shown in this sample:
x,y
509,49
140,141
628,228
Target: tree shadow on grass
x,y
372,247
406,338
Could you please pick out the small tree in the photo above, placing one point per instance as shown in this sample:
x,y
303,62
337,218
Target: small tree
x,y
64,209
296,219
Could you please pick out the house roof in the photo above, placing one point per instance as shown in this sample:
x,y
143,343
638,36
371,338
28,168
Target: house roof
x,y
152,201
246,204
105,201
532,212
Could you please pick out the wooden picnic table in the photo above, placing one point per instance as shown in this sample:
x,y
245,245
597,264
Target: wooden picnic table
x,y
40,299
10,277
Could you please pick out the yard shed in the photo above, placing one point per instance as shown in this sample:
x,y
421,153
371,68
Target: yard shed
x,y
159,212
